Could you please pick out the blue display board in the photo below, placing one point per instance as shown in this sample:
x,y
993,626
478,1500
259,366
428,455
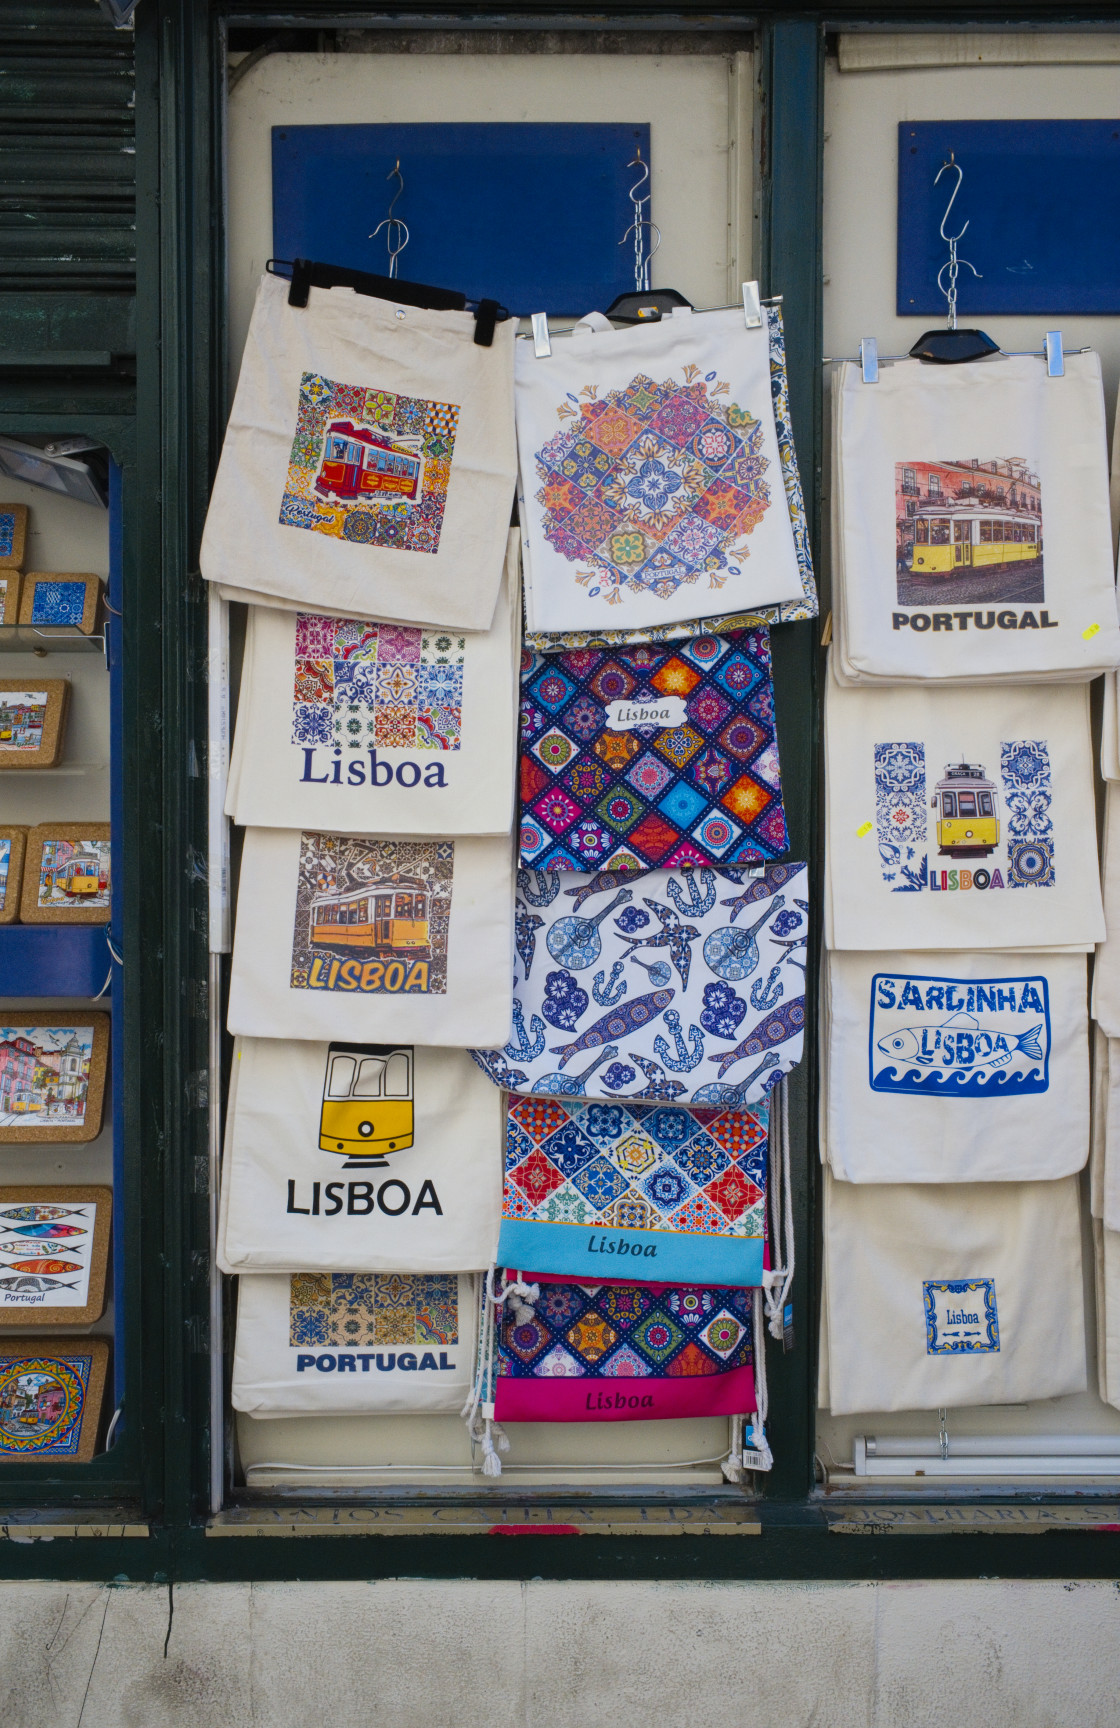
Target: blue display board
x,y
529,215
1042,199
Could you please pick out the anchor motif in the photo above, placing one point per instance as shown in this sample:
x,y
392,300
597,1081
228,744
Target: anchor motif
x,y
685,1059
612,991
540,887
697,903
764,994
525,1046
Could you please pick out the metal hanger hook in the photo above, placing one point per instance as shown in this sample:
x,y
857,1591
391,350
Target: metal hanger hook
x,y
952,163
398,236
644,181
642,258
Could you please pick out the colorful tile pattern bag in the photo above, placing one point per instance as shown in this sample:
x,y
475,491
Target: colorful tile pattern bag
x,y
619,1352
651,1189
685,987
651,757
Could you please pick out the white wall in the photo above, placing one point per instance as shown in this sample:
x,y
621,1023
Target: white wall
x,y
473,1655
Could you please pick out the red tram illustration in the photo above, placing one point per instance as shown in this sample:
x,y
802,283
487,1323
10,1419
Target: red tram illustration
x,y
357,463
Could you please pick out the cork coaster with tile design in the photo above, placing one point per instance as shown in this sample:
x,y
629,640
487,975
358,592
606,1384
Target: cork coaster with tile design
x,y
60,600
51,1395
13,536
10,581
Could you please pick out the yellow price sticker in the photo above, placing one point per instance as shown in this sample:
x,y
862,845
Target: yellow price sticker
x,y
866,829
1093,630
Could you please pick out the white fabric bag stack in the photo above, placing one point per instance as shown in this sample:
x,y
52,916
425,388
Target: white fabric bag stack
x,y
355,1343
378,728
1010,864
951,1296
340,936
369,464
954,1068
346,1157
972,536
651,489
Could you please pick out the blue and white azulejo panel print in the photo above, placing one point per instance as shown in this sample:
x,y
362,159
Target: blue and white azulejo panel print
x,y
679,987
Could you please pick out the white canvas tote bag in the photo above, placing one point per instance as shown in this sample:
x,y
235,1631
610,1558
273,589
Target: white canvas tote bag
x,y
359,1158
1106,1250
953,1296
651,483
960,819
354,1343
957,1067
377,728
343,937
1106,972
686,987
975,539
369,461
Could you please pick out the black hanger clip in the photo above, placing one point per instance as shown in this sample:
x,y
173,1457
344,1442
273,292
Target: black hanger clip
x,y
307,274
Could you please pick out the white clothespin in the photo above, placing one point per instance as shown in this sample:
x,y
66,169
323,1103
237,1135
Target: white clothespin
x,y
752,306
542,342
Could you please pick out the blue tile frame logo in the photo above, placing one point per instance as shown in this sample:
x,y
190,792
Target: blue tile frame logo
x,y
961,1316
959,1037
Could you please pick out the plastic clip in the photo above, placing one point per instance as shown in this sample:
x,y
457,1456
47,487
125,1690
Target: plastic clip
x,y
869,359
542,342
1055,356
752,306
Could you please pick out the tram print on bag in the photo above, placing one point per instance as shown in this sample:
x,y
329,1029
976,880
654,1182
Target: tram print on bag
x,y
968,531
653,486
372,915
369,466
983,834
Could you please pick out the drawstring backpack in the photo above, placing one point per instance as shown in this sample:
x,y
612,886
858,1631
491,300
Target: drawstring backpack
x,y
377,728
358,1157
354,1343
645,757
369,462
972,511
960,819
344,936
683,987
651,487
954,1067
784,612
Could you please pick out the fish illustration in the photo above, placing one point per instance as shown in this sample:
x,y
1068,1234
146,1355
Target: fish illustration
x,y
44,1266
620,1021
785,1022
599,883
30,1214
28,1286
959,1042
16,1247
53,1230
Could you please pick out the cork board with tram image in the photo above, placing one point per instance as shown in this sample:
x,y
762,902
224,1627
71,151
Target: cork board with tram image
x,y
54,1254
32,721
13,846
66,874
52,1077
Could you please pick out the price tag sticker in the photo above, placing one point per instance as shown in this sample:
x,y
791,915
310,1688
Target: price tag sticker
x,y
861,833
1093,630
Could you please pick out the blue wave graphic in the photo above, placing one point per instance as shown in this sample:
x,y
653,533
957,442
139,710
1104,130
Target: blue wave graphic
x,y
958,1083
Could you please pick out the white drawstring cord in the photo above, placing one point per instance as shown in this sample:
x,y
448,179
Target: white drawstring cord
x,y
490,1435
757,1454
778,1281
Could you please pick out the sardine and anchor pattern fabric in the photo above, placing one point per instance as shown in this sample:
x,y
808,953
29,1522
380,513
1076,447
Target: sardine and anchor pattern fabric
x,y
678,987
651,757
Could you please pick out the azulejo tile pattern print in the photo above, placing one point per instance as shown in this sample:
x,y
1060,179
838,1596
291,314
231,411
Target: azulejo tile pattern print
x,y
900,814
653,486
7,533
696,783
628,1332
1025,768
373,1308
369,466
41,1403
58,603
788,610
372,915
636,1167
638,995
386,685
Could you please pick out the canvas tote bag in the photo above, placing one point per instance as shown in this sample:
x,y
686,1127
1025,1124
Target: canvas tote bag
x,y
960,819
650,1189
651,485
684,987
1106,972
971,497
338,936
721,623
954,1296
651,757
377,728
354,1343
369,461
354,1157
956,1067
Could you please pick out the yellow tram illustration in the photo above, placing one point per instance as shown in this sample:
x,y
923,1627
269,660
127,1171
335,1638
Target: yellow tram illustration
x,y
968,812
367,1102
79,877
981,537
383,918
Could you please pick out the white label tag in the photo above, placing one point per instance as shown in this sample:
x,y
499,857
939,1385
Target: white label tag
x,y
666,712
